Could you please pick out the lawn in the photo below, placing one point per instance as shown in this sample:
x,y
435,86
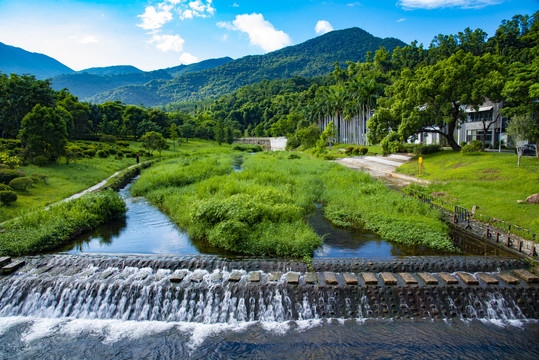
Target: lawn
x,y
490,180
65,180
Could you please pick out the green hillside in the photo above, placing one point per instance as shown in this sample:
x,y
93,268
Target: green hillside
x,y
112,70
315,57
203,65
85,85
18,61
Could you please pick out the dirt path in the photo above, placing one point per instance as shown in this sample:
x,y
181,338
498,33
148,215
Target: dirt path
x,y
383,168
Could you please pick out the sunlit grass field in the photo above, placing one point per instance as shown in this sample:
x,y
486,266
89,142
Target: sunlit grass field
x,y
490,180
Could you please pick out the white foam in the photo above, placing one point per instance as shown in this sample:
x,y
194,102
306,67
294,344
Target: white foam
x,y
200,332
276,327
7,322
42,328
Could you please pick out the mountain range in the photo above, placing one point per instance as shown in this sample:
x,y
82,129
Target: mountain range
x,y
209,78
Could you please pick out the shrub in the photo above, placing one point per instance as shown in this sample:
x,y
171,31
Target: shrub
x,y
120,155
292,142
473,147
7,197
392,143
4,187
112,151
6,175
122,143
363,150
328,157
356,150
463,143
293,156
426,149
90,152
108,139
248,147
21,183
11,162
40,160
102,153
349,150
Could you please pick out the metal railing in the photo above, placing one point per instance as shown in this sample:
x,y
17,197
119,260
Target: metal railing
x,y
514,233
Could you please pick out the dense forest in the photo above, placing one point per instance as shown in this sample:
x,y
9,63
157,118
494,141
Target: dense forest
x,y
313,58
413,89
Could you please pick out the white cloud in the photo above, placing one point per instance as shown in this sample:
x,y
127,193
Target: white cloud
x,y
261,32
153,18
197,8
187,14
226,25
401,20
322,27
187,59
235,5
168,42
433,4
354,4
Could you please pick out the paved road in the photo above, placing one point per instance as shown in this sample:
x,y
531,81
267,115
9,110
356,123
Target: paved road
x,y
383,167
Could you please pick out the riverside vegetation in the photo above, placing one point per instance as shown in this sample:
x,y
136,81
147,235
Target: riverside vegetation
x,y
47,229
262,209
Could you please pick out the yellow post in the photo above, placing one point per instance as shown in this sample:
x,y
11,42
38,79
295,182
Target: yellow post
x,y
420,163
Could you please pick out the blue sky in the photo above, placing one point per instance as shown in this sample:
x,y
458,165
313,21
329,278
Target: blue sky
x,y
154,34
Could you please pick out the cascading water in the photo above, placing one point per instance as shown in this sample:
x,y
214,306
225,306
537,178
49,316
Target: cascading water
x,y
209,307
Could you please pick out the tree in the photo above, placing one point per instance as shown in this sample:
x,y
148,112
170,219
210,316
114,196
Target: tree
x,y
133,116
220,132
154,141
329,133
188,129
19,94
173,131
432,98
80,114
520,130
44,132
521,92
229,135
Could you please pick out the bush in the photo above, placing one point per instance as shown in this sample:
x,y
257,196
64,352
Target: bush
x,y
292,142
4,187
392,143
90,152
40,160
21,183
122,143
356,150
426,149
6,175
120,155
7,197
328,157
108,139
363,150
463,143
247,147
112,151
473,147
293,156
102,153
349,150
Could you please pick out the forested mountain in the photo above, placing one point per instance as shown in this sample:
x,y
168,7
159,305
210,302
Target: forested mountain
x,y
91,82
86,85
203,65
315,57
112,70
18,61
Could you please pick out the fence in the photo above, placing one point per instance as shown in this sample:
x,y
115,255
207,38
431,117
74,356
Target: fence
x,y
514,233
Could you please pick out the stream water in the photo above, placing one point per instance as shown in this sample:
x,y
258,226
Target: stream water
x,y
80,306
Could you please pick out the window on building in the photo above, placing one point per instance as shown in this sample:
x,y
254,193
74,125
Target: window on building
x,y
478,135
480,116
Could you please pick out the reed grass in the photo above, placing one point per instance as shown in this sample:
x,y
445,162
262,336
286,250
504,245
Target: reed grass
x,y
47,229
262,209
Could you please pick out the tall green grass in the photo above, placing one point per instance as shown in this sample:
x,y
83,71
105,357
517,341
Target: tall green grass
x,y
47,229
262,209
